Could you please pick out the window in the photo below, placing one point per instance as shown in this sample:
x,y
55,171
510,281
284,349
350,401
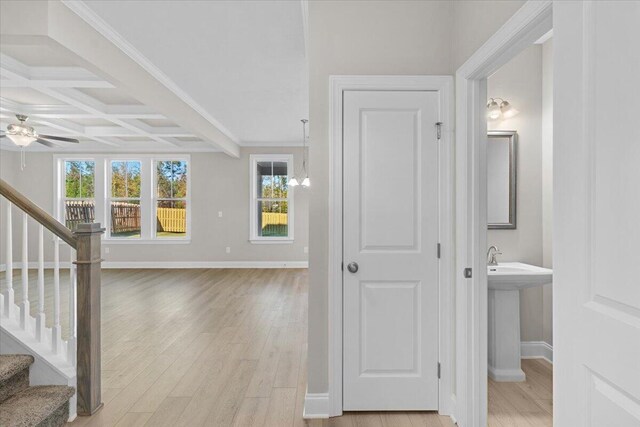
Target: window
x,y
79,192
171,198
124,200
271,199
139,198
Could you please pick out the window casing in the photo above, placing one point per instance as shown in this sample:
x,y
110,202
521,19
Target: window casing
x,y
271,201
125,197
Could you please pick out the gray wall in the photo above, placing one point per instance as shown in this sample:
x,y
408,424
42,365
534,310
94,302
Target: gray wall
x,y
547,183
382,37
520,82
219,183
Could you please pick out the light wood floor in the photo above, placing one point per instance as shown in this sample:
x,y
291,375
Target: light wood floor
x,y
228,348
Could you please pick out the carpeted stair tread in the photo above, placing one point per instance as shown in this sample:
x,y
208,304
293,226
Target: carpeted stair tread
x,y
34,406
11,364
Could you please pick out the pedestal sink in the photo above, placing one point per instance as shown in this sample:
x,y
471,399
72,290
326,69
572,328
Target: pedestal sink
x,y
505,281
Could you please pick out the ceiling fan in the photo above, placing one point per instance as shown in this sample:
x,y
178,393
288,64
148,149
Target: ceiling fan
x,y
23,135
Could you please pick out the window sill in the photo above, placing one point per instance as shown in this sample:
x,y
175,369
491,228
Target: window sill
x,y
271,241
146,241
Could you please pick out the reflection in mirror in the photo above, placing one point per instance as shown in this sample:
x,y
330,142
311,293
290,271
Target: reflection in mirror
x,y
501,179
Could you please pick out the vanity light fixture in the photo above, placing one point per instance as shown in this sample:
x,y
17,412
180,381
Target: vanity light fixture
x,y
503,110
293,182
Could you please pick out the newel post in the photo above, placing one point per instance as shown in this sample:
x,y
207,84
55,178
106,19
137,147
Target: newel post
x,y
89,260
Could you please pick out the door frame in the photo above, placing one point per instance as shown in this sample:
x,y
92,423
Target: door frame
x,y
444,86
533,20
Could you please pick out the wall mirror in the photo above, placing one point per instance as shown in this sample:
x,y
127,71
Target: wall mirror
x,y
501,179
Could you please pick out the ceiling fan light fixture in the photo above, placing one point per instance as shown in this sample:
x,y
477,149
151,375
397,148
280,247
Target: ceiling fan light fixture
x,y
21,140
21,135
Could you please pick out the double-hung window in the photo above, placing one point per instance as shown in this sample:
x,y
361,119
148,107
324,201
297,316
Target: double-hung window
x,y
171,182
271,198
78,194
124,202
139,198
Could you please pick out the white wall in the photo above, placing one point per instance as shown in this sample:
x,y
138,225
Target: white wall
x,y
547,183
219,183
381,37
520,82
384,37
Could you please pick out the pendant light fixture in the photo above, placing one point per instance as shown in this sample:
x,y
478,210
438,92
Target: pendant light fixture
x,y
293,182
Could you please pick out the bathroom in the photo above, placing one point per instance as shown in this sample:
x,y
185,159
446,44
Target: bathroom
x,y
520,173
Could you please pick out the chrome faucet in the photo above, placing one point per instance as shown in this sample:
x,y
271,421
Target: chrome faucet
x,y
491,255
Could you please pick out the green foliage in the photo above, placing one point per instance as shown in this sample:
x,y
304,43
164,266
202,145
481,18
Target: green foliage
x,y
79,179
125,179
172,179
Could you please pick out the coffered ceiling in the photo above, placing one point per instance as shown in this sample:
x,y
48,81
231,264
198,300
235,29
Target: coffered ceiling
x,y
191,76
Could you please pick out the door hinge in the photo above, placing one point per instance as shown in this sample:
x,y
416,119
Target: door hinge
x,y
342,266
438,250
468,272
438,370
439,130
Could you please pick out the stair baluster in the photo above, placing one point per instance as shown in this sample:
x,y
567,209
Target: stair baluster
x,y
8,293
40,316
24,307
71,342
56,331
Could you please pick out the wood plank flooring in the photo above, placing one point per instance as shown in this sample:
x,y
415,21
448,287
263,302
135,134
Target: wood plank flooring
x,y
228,348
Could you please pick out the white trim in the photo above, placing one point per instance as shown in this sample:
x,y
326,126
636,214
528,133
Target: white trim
x,y
536,350
338,84
316,405
102,186
100,25
253,211
528,24
174,264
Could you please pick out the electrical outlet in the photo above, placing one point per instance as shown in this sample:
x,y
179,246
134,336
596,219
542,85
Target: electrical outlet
x,y
106,249
219,214
228,250
306,249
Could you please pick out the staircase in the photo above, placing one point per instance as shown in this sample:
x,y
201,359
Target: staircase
x,y
39,345
23,405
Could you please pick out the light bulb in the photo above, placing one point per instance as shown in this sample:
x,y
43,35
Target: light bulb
x,y
293,182
306,182
507,110
493,108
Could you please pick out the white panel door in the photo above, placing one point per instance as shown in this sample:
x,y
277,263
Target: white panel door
x,y
391,232
596,281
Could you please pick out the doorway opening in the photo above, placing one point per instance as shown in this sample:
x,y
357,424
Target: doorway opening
x,y
528,25
519,257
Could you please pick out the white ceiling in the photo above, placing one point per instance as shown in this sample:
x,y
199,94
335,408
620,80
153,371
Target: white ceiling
x,y
240,65
242,61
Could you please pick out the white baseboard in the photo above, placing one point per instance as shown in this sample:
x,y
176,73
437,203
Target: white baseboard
x,y
177,264
536,350
316,405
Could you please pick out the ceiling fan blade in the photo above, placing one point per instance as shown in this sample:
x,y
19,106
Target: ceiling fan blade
x,y
47,143
59,138
2,135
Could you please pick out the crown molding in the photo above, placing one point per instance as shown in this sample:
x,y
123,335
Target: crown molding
x,y
80,8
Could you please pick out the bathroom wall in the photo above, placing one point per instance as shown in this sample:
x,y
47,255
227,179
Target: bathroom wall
x,y
521,82
547,183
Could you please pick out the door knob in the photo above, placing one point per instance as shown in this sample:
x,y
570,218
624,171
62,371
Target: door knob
x,y
352,267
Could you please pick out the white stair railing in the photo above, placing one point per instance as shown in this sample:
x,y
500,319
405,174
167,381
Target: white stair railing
x,y
35,326
83,295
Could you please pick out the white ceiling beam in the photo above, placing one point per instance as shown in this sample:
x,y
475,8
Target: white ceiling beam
x,y
17,74
111,56
70,112
91,105
159,132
